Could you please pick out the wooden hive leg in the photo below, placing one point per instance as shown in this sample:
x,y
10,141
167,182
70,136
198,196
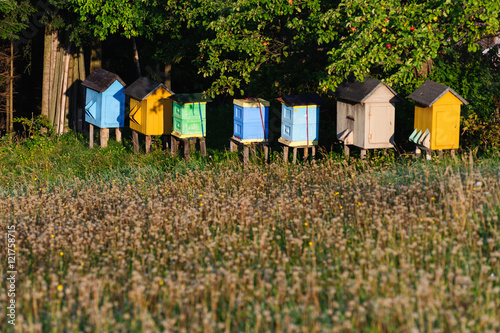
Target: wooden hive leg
x,y
428,155
266,153
313,152
232,146
186,149
440,153
452,153
417,152
91,136
246,153
294,159
192,144
285,154
148,144
306,153
164,142
363,154
104,137
346,150
173,145
135,141
203,147
118,134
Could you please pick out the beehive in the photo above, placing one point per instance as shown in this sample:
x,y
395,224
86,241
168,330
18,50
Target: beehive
x,y
300,119
190,115
150,107
366,113
437,116
104,99
251,119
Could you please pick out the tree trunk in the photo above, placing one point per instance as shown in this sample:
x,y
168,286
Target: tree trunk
x,y
47,46
136,57
10,116
168,76
64,88
96,55
55,89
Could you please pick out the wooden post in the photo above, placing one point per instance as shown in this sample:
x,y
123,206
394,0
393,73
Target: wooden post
x,y
192,144
232,146
428,156
148,144
313,152
285,154
306,153
246,153
294,159
135,140
363,154
440,153
186,149
452,152
118,134
164,142
417,152
203,147
346,150
173,145
266,153
104,137
91,136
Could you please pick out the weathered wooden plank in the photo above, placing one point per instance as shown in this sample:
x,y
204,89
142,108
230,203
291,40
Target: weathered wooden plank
x,y
104,137
91,136
148,144
135,141
203,147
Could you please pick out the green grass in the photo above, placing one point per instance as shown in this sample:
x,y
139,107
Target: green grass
x,y
112,241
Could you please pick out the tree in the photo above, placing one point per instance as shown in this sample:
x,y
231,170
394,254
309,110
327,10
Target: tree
x,y
13,18
392,40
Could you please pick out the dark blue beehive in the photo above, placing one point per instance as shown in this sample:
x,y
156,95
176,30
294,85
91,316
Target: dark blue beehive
x,y
104,100
251,119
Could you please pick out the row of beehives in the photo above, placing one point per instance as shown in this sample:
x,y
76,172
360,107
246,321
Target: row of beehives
x,y
365,113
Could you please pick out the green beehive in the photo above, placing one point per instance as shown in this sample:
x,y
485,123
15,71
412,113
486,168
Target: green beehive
x,y
190,115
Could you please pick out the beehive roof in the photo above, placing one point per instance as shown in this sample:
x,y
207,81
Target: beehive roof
x,y
190,98
100,80
295,100
143,87
430,92
352,90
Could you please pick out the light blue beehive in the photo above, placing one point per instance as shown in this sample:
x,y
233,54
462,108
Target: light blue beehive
x,y
300,119
251,119
104,99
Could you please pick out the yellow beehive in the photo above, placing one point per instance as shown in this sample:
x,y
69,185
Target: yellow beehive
x,y
437,116
150,107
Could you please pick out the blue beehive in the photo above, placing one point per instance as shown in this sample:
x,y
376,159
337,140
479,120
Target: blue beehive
x,y
105,100
300,119
251,119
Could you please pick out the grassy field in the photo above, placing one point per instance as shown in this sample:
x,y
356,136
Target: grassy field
x,y
136,243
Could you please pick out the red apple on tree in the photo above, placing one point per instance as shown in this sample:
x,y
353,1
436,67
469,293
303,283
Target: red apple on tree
x,y
412,29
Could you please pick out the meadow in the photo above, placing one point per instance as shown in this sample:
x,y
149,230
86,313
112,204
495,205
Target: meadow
x,y
145,243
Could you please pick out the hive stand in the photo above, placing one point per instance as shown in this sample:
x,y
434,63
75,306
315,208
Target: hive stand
x,y
103,136
428,153
287,145
148,141
246,146
189,145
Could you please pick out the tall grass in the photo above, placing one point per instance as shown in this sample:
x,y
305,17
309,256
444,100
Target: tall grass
x,y
150,243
